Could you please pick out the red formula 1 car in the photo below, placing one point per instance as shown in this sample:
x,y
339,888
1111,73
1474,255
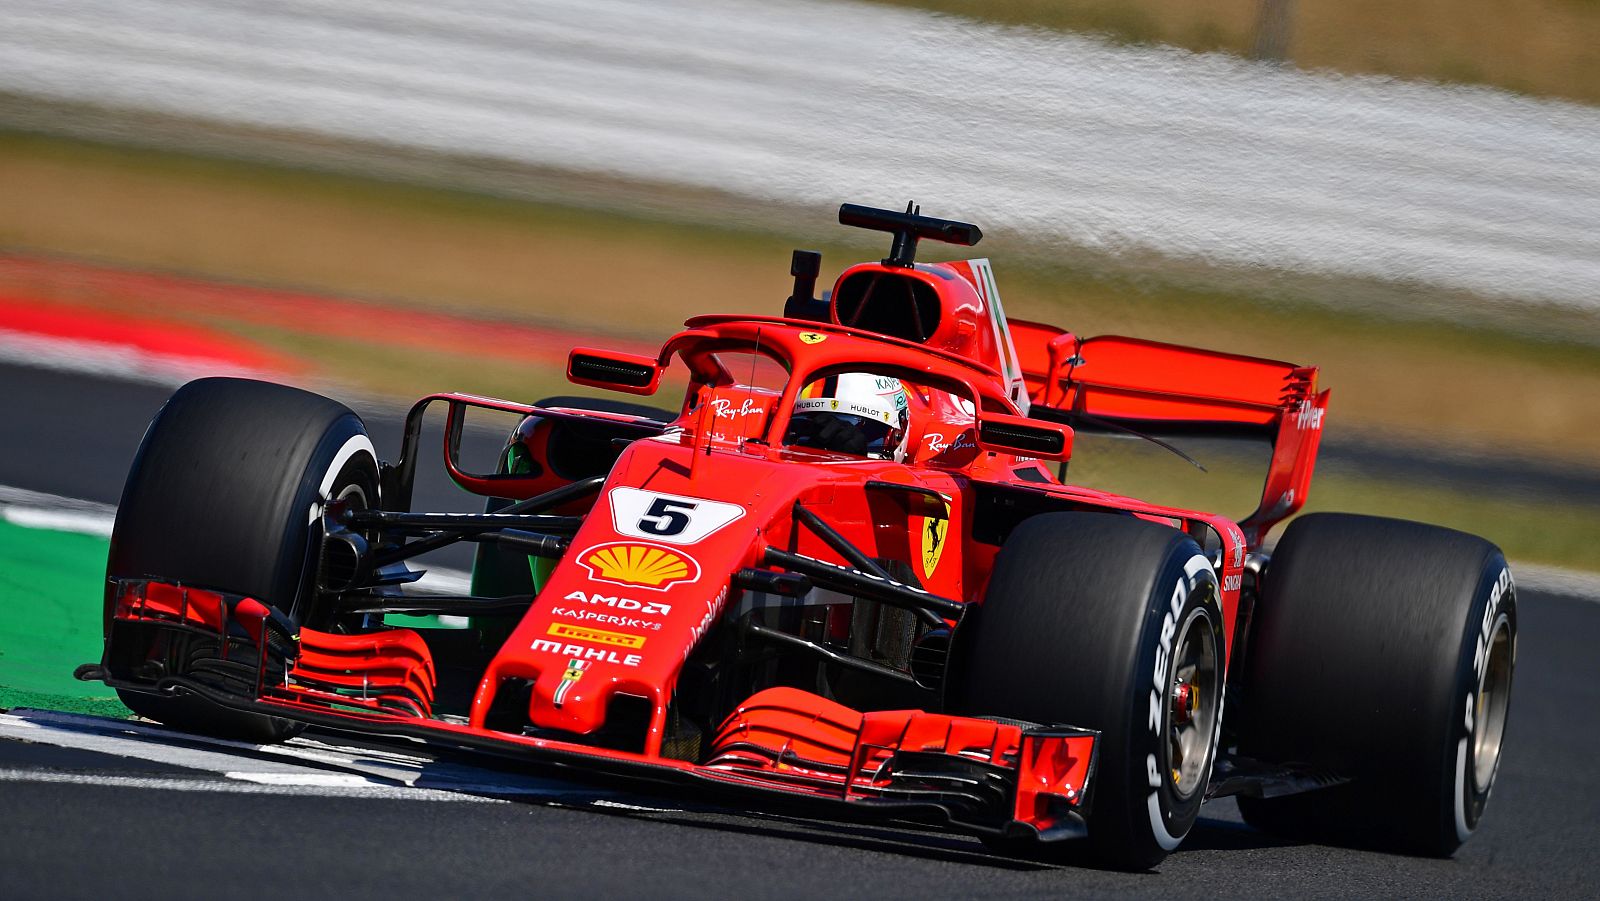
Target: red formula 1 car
x,y
846,568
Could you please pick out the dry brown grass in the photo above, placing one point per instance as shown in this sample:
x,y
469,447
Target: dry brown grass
x,y
1391,380
411,246
1531,530
479,256
1543,47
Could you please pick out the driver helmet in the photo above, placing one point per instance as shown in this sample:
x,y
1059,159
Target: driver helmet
x,y
854,413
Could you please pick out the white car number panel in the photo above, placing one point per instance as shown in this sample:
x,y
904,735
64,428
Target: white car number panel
x,y
672,518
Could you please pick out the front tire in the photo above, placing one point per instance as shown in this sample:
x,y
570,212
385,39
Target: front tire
x,y
1382,650
226,492
1110,623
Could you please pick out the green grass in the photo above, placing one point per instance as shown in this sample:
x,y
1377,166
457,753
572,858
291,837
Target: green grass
x,y
50,609
388,198
380,371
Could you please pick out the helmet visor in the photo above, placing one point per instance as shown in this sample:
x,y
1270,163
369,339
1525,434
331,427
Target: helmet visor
x,y
842,432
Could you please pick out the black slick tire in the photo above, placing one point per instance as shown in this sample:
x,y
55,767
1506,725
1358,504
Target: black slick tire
x,y
225,493
1382,651
1080,626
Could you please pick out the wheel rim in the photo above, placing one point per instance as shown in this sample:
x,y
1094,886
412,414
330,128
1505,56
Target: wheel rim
x,y
1493,701
347,489
1193,693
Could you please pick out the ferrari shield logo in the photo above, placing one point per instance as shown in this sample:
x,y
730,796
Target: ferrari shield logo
x,y
813,337
570,678
933,532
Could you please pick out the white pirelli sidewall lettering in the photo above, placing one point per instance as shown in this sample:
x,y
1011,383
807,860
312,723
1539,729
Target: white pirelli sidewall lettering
x,y
1196,570
1493,616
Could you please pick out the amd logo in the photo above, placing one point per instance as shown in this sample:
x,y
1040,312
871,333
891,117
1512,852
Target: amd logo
x,y
643,608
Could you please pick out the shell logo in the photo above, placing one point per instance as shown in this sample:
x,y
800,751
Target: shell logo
x,y
645,565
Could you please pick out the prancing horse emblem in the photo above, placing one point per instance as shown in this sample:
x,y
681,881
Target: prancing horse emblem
x,y
933,531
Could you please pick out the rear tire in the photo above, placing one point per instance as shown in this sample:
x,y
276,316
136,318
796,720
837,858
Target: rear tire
x,y
1083,620
1382,650
225,492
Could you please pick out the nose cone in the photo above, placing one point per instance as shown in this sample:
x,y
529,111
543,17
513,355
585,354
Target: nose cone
x,y
574,697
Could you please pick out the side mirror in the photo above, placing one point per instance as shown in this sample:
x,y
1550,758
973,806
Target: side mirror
x,y
612,369
1024,437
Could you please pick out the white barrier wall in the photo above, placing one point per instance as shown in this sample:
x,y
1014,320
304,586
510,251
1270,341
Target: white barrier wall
x,y
1110,148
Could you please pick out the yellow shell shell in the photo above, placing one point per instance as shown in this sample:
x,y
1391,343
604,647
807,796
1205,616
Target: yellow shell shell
x,y
638,564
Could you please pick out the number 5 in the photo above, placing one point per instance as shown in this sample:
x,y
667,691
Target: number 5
x,y
666,517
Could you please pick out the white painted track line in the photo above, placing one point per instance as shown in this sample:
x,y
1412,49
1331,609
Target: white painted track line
x,y
241,787
114,360
301,766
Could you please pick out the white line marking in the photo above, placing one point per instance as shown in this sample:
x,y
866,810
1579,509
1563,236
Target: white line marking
x,y
1556,580
114,360
94,524
124,738
306,780
22,497
299,762
647,808
236,787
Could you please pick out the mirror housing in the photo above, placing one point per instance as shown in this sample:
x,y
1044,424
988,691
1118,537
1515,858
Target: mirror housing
x,y
631,373
1019,435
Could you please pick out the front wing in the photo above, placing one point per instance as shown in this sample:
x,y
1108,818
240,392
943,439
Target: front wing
x,y
982,776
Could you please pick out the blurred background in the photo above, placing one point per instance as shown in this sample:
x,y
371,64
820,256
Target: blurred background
x,y
384,199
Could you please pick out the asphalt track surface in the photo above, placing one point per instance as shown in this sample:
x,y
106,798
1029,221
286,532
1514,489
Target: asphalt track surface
x,y
97,808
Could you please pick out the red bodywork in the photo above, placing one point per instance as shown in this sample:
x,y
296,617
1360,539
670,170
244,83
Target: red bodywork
x,y
630,602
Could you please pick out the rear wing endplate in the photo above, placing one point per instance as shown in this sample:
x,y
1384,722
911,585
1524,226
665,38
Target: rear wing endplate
x,y
1153,387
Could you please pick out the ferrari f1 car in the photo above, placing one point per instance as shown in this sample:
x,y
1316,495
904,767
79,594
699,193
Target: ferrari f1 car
x,y
846,568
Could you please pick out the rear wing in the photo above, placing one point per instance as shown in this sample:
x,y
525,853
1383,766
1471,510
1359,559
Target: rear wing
x,y
1156,388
